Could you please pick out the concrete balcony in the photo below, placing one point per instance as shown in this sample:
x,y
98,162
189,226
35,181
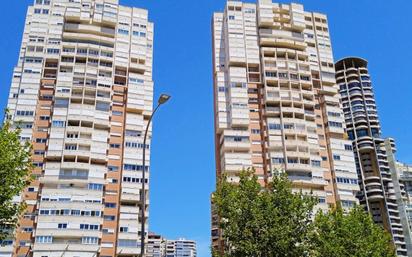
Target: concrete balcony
x,y
121,251
129,197
272,111
298,167
62,247
275,145
231,145
308,182
68,233
282,43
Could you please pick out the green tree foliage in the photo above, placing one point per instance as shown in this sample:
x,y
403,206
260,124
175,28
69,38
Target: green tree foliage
x,y
263,222
15,167
337,234
276,222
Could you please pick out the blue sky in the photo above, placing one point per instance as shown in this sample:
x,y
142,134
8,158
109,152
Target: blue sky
x,y
183,149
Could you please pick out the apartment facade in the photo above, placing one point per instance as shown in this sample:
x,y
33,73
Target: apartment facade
x,y
158,246
402,187
405,174
381,193
276,101
82,92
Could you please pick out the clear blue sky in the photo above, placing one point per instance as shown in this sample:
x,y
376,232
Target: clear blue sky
x,y
183,150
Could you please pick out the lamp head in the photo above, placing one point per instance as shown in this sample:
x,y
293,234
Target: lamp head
x,y
163,98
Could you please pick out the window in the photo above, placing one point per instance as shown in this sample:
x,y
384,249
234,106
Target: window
x,y
348,147
132,180
231,17
41,140
62,226
53,51
45,11
44,239
72,135
37,11
334,114
28,229
335,124
315,163
135,81
362,133
30,189
292,160
62,103
97,187
255,131
70,147
274,126
288,126
123,31
132,167
336,157
88,240
59,124
117,146
117,113
113,168
351,135
346,181
109,217
89,227
278,160
38,164
283,75
124,229
347,204
133,133
24,113
102,106
110,205
6,242
127,243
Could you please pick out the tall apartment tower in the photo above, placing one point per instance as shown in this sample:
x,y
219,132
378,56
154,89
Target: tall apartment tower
x,y
82,91
276,101
405,177
378,186
401,187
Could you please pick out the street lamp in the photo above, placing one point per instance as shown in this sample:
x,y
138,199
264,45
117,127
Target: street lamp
x,y
162,99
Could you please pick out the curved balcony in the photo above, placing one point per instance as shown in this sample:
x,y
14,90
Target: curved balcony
x,y
365,147
374,190
375,196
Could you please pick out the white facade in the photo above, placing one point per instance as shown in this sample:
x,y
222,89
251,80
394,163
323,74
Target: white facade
x,y
83,90
158,246
277,103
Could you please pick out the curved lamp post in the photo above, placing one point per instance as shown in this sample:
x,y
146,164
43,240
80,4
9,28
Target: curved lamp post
x,y
162,99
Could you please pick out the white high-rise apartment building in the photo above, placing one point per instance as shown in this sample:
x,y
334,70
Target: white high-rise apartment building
x,y
158,246
83,91
276,102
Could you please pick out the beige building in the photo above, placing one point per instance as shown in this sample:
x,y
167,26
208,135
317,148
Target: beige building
x,y
276,101
158,246
402,186
381,193
83,91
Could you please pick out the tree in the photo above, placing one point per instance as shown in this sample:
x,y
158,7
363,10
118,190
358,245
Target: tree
x,y
15,167
337,234
263,222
